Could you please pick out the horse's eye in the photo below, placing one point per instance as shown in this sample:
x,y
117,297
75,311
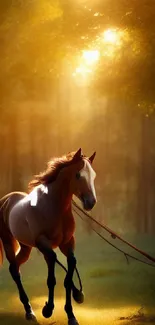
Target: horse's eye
x,y
78,175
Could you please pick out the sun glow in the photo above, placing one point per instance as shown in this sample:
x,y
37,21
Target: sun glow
x,y
107,45
112,36
82,69
86,63
87,314
91,57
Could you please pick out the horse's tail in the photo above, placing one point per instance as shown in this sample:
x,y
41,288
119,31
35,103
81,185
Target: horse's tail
x,y
13,244
1,252
2,200
2,203
3,227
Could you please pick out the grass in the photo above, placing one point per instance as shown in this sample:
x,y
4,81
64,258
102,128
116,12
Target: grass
x,y
112,288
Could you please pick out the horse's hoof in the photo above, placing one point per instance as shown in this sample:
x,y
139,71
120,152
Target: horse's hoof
x,y
78,295
73,321
31,317
47,311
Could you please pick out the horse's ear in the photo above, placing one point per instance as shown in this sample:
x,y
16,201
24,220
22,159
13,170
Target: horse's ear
x,y
78,154
92,157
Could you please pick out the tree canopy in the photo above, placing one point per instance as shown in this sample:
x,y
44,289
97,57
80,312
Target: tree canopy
x,y
37,36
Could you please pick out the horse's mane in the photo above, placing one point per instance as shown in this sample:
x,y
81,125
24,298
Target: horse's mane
x,y
50,174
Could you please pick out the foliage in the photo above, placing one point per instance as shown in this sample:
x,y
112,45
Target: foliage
x,y
41,105
37,36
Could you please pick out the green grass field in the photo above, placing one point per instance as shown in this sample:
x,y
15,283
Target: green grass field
x,y
112,288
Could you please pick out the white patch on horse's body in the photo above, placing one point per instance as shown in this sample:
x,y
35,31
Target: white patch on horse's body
x,y
33,196
29,221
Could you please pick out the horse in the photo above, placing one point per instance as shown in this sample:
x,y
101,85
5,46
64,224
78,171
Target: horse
x,y
42,218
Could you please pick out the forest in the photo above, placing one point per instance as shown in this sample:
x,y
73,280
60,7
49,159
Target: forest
x,y
81,74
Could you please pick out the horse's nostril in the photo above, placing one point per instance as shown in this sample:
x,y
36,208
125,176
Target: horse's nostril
x,y
89,204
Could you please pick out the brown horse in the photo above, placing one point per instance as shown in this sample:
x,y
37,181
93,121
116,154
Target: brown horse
x,y
43,219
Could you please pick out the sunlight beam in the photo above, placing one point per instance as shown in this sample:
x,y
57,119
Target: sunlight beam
x,y
111,36
90,57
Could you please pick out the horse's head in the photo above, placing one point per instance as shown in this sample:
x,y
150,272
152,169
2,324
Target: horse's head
x,y
83,177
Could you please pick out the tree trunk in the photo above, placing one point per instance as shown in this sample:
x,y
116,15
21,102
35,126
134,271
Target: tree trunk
x,y
143,181
16,182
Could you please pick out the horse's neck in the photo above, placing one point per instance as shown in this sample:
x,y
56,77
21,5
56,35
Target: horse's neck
x,y
59,192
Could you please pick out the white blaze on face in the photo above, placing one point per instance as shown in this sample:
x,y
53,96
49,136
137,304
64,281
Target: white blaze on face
x,y
89,174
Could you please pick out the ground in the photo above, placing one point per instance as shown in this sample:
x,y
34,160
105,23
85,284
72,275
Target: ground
x,y
112,288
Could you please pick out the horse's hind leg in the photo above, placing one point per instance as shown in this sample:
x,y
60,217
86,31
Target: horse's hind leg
x,y
15,262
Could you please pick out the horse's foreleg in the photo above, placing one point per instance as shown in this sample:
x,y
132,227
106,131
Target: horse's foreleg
x,y
51,282
50,257
71,261
15,262
68,249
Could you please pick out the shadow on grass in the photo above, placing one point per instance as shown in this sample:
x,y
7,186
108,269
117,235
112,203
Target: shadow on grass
x,y
139,320
99,272
12,318
18,319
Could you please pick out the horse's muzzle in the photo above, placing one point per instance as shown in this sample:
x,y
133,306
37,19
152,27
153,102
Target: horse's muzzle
x,y
88,203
